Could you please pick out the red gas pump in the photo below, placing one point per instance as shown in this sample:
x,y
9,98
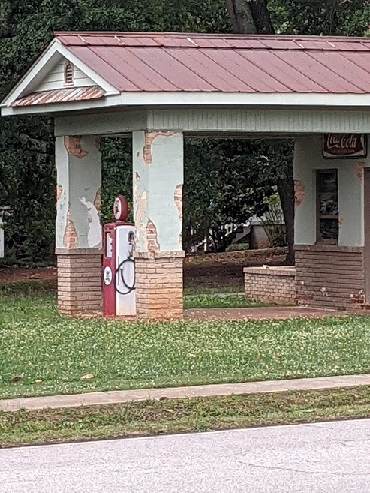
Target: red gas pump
x,y
118,263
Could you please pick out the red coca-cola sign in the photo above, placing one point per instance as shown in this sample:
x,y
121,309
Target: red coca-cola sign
x,y
344,145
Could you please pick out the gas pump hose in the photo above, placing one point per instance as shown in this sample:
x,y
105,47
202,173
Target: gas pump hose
x,y
119,271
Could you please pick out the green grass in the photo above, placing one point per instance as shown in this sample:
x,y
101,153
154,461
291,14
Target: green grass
x,y
42,353
181,415
212,290
217,301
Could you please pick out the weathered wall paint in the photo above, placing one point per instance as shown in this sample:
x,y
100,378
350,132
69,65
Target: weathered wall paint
x,y
158,178
307,159
78,164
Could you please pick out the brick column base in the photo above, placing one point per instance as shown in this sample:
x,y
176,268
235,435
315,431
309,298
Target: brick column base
x,y
158,278
79,281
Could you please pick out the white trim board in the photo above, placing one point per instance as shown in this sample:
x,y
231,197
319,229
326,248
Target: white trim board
x,y
243,99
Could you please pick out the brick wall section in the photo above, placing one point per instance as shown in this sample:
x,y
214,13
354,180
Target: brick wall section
x,y
270,284
159,286
79,282
330,276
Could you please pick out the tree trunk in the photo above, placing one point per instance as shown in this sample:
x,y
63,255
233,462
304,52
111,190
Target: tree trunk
x,y
241,16
261,17
251,17
286,194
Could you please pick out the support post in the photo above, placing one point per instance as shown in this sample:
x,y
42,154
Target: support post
x,y
158,180
78,227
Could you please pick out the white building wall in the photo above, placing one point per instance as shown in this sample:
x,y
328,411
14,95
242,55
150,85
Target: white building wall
x,y
307,159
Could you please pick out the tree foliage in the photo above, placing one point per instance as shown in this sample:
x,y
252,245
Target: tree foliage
x,y
318,17
226,181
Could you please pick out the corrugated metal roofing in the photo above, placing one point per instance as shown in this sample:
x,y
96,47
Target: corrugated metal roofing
x,y
174,62
60,96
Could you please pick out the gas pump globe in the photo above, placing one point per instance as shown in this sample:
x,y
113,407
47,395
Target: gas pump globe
x,y
118,263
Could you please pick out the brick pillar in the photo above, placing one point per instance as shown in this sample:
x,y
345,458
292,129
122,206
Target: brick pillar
x,y
78,228
158,180
79,281
159,284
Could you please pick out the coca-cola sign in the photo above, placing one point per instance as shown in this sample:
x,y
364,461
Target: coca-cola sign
x,y
344,145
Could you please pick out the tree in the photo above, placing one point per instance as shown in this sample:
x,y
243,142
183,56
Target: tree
x,y
253,17
226,182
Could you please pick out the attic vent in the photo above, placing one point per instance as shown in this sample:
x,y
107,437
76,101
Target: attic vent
x,y
68,73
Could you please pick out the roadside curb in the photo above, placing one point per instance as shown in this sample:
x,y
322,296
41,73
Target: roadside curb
x,y
123,396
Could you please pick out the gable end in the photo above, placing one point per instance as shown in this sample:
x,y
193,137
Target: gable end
x,y
63,75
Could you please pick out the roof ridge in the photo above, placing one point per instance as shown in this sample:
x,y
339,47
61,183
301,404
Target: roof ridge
x,y
145,34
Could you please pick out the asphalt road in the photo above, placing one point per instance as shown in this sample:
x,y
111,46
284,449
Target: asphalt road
x,y
316,458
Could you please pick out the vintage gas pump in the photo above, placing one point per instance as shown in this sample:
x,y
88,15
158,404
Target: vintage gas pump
x,y
118,263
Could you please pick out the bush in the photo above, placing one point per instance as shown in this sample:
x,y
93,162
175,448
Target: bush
x,y
238,247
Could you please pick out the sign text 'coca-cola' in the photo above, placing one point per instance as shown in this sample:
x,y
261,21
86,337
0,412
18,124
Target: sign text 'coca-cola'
x,y
344,145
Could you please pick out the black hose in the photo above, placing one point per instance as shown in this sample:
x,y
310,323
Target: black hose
x,y
119,269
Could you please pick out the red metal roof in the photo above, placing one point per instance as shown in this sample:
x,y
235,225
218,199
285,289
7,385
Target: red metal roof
x,y
60,96
176,62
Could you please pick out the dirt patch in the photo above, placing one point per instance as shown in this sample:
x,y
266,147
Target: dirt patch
x,y
208,270
15,274
226,269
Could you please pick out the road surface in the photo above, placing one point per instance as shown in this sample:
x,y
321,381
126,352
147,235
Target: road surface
x,y
313,458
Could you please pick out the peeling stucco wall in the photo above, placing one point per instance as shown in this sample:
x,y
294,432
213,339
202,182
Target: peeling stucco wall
x,y
78,194
70,233
72,144
158,179
307,159
152,237
299,193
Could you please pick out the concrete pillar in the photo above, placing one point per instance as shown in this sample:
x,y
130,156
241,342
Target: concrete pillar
x,y
78,228
158,179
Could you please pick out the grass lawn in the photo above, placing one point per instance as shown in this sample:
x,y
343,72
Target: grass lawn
x,y
217,301
211,290
42,353
181,415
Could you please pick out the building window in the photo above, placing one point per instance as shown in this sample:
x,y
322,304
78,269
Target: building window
x,y
327,206
68,73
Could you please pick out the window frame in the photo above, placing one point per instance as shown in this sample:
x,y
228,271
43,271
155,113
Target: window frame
x,y
319,216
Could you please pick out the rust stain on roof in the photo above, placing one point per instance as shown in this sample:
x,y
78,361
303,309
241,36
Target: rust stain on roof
x,y
177,62
60,96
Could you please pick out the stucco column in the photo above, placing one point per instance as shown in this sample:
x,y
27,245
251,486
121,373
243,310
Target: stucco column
x,y
158,179
78,228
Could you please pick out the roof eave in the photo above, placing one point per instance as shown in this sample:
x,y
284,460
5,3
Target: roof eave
x,y
210,99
